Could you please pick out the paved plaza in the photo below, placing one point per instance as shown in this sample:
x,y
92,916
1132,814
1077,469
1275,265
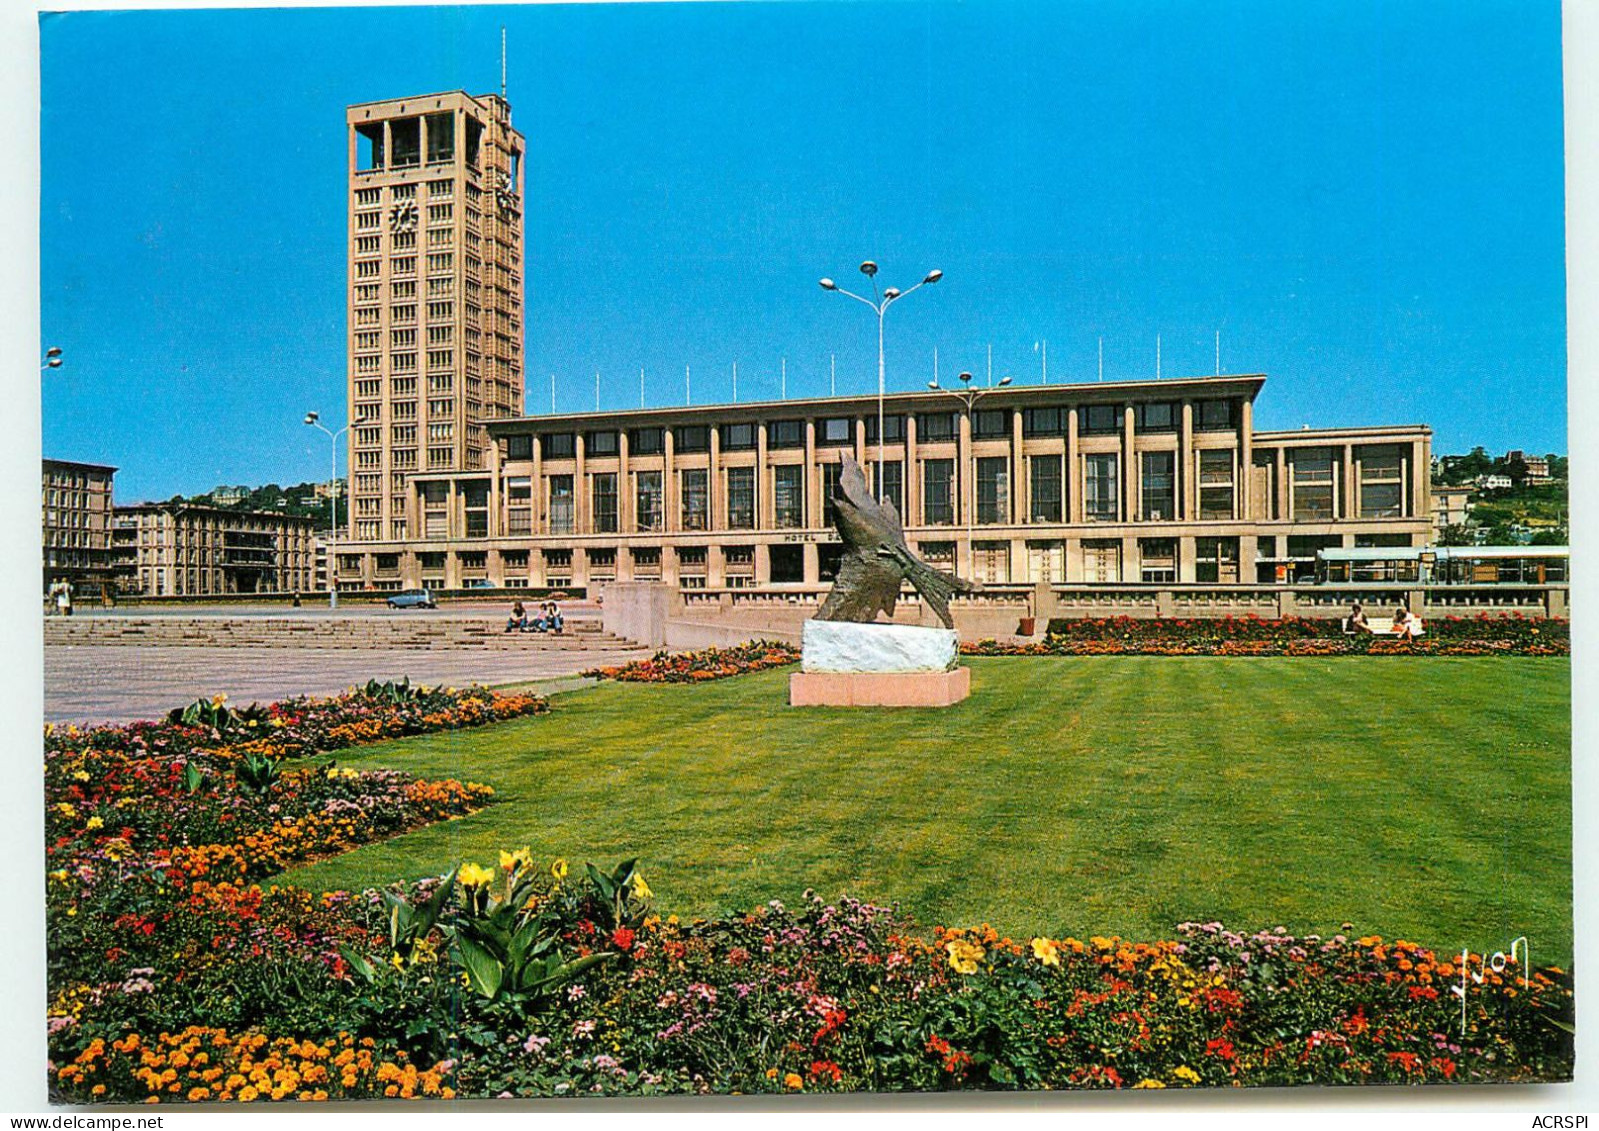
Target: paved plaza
x,y
118,683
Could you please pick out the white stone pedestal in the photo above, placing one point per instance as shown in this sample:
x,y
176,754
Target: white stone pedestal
x,y
843,646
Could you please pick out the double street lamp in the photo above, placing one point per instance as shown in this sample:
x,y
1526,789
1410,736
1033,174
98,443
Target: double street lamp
x,y
879,305
969,395
314,421
52,359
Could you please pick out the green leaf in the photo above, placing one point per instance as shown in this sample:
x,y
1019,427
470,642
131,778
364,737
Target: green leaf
x,y
483,970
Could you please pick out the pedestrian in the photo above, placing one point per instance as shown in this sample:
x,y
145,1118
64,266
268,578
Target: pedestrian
x,y
64,601
518,621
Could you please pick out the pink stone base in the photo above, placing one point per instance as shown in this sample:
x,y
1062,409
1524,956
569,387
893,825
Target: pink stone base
x,y
879,689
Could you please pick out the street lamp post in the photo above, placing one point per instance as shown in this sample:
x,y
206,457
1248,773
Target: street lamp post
x,y
313,420
879,305
969,396
52,359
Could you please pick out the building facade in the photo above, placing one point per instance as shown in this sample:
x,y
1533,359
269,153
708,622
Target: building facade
x,y
76,505
1152,481
435,294
180,550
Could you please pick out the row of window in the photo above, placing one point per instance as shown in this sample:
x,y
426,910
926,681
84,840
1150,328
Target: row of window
x,y
931,427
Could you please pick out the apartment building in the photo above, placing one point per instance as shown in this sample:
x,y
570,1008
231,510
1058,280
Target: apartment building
x,y
435,294
181,550
1162,481
76,510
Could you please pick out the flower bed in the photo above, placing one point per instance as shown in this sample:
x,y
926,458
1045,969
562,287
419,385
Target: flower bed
x,y
1290,636
350,996
706,664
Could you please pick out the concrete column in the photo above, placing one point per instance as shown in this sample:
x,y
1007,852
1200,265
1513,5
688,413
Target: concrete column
x,y
965,477
1018,472
1074,475
1244,502
1248,549
1186,555
626,497
813,564
580,567
813,492
1349,505
1420,479
1284,497
713,492
583,503
715,567
1187,467
1019,568
624,563
912,479
1130,468
1130,558
763,490
763,556
671,519
669,571
860,447
540,493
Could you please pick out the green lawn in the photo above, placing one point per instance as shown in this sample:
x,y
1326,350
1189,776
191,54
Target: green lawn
x,y
1427,798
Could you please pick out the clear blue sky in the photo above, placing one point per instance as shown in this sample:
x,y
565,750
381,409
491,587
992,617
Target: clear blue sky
x,y
1364,198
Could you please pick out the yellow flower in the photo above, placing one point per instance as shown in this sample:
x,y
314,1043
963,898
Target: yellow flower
x,y
218,700
641,889
511,861
396,961
59,875
964,956
1046,952
558,869
81,775
1149,1084
771,1074
793,1080
472,876
1184,1072
94,823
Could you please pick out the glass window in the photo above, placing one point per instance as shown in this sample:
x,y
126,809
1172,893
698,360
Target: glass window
x,y
694,483
893,483
788,497
935,427
646,441
938,492
738,437
893,429
1312,470
991,424
516,447
1102,559
1157,560
1100,418
1156,418
787,563
559,445
1158,486
603,499
647,492
561,509
1047,501
1213,416
993,490
600,444
830,476
1043,422
1216,483
741,498
1101,497
1382,481
785,434
835,431
1216,560
692,438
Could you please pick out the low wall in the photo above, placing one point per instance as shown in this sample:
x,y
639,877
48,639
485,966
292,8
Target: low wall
x,y
662,616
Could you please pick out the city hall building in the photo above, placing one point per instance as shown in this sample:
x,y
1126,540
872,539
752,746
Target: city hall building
x,y
452,487
1163,481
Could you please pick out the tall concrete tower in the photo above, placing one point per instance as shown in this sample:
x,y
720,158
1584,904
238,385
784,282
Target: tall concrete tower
x,y
435,295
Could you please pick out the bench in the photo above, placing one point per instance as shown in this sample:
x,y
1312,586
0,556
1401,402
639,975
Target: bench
x,y
1378,626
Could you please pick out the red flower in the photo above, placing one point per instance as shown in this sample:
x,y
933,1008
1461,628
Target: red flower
x,y
622,939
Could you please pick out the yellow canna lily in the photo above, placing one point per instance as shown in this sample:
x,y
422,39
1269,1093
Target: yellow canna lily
x,y
641,889
558,869
1046,952
473,875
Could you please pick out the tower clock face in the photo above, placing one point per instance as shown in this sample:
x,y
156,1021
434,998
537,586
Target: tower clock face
x,y
402,217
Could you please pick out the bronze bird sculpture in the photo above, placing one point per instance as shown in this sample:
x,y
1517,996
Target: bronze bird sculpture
x,y
877,560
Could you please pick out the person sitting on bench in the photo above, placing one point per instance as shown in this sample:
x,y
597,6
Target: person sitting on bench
x,y
1356,621
518,621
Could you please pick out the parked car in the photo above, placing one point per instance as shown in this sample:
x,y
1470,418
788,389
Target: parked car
x,y
413,599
